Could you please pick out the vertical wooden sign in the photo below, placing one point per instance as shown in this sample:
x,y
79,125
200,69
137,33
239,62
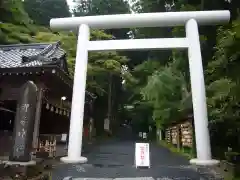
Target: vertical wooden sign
x,y
24,123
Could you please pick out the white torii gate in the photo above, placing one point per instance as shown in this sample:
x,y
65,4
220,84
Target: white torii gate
x,y
190,19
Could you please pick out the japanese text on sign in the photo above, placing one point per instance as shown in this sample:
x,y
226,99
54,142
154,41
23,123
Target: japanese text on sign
x,y
25,107
142,157
142,154
22,133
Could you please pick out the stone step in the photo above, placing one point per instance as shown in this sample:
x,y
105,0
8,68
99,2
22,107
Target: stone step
x,y
132,178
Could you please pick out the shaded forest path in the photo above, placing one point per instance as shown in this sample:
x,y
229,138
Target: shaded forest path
x,y
114,158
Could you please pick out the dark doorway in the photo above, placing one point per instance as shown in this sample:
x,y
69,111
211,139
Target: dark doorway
x,y
7,117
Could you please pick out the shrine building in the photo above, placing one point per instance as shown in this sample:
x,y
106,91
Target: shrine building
x,y
45,65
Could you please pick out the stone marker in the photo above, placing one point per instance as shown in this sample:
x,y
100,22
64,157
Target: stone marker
x,y
24,123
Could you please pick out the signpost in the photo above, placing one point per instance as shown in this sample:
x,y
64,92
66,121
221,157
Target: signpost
x,y
142,155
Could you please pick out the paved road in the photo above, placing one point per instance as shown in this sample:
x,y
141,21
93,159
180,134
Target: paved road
x,y
115,159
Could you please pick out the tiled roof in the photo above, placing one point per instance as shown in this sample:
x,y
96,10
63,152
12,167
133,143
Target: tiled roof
x,y
30,55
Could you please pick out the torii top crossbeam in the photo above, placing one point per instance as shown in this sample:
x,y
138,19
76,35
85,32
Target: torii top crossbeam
x,y
164,19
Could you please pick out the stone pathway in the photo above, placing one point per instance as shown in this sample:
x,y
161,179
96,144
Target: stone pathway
x,y
114,159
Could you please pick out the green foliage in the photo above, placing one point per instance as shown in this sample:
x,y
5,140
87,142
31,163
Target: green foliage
x,y
173,149
12,34
222,76
100,66
103,7
227,52
41,11
165,85
221,98
165,90
231,156
12,11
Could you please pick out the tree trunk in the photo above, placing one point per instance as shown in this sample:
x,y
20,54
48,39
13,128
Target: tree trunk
x,y
110,102
202,5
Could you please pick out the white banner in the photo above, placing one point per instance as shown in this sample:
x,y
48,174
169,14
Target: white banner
x,y
106,124
64,137
142,155
144,135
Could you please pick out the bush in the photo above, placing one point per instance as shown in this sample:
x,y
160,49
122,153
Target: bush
x,y
233,157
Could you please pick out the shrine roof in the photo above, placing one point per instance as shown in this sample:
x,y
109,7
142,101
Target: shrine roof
x,y
32,55
36,58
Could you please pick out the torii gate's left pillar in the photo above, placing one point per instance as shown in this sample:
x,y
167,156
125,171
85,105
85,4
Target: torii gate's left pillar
x,y
78,99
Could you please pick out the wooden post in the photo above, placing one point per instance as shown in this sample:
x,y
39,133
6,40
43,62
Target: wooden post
x,y
37,117
179,137
170,137
194,150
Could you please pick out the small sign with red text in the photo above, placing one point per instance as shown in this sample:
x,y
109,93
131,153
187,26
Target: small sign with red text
x,y
142,155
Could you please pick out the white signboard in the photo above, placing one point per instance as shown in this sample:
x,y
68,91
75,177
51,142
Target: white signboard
x,y
64,138
144,135
106,124
142,155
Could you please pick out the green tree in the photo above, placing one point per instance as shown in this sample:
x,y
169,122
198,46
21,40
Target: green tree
x,y
101,7
13,12
223,88
41,11
166,90
104,7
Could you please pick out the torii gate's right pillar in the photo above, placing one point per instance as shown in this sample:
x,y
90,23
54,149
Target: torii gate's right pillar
x,y
203,146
